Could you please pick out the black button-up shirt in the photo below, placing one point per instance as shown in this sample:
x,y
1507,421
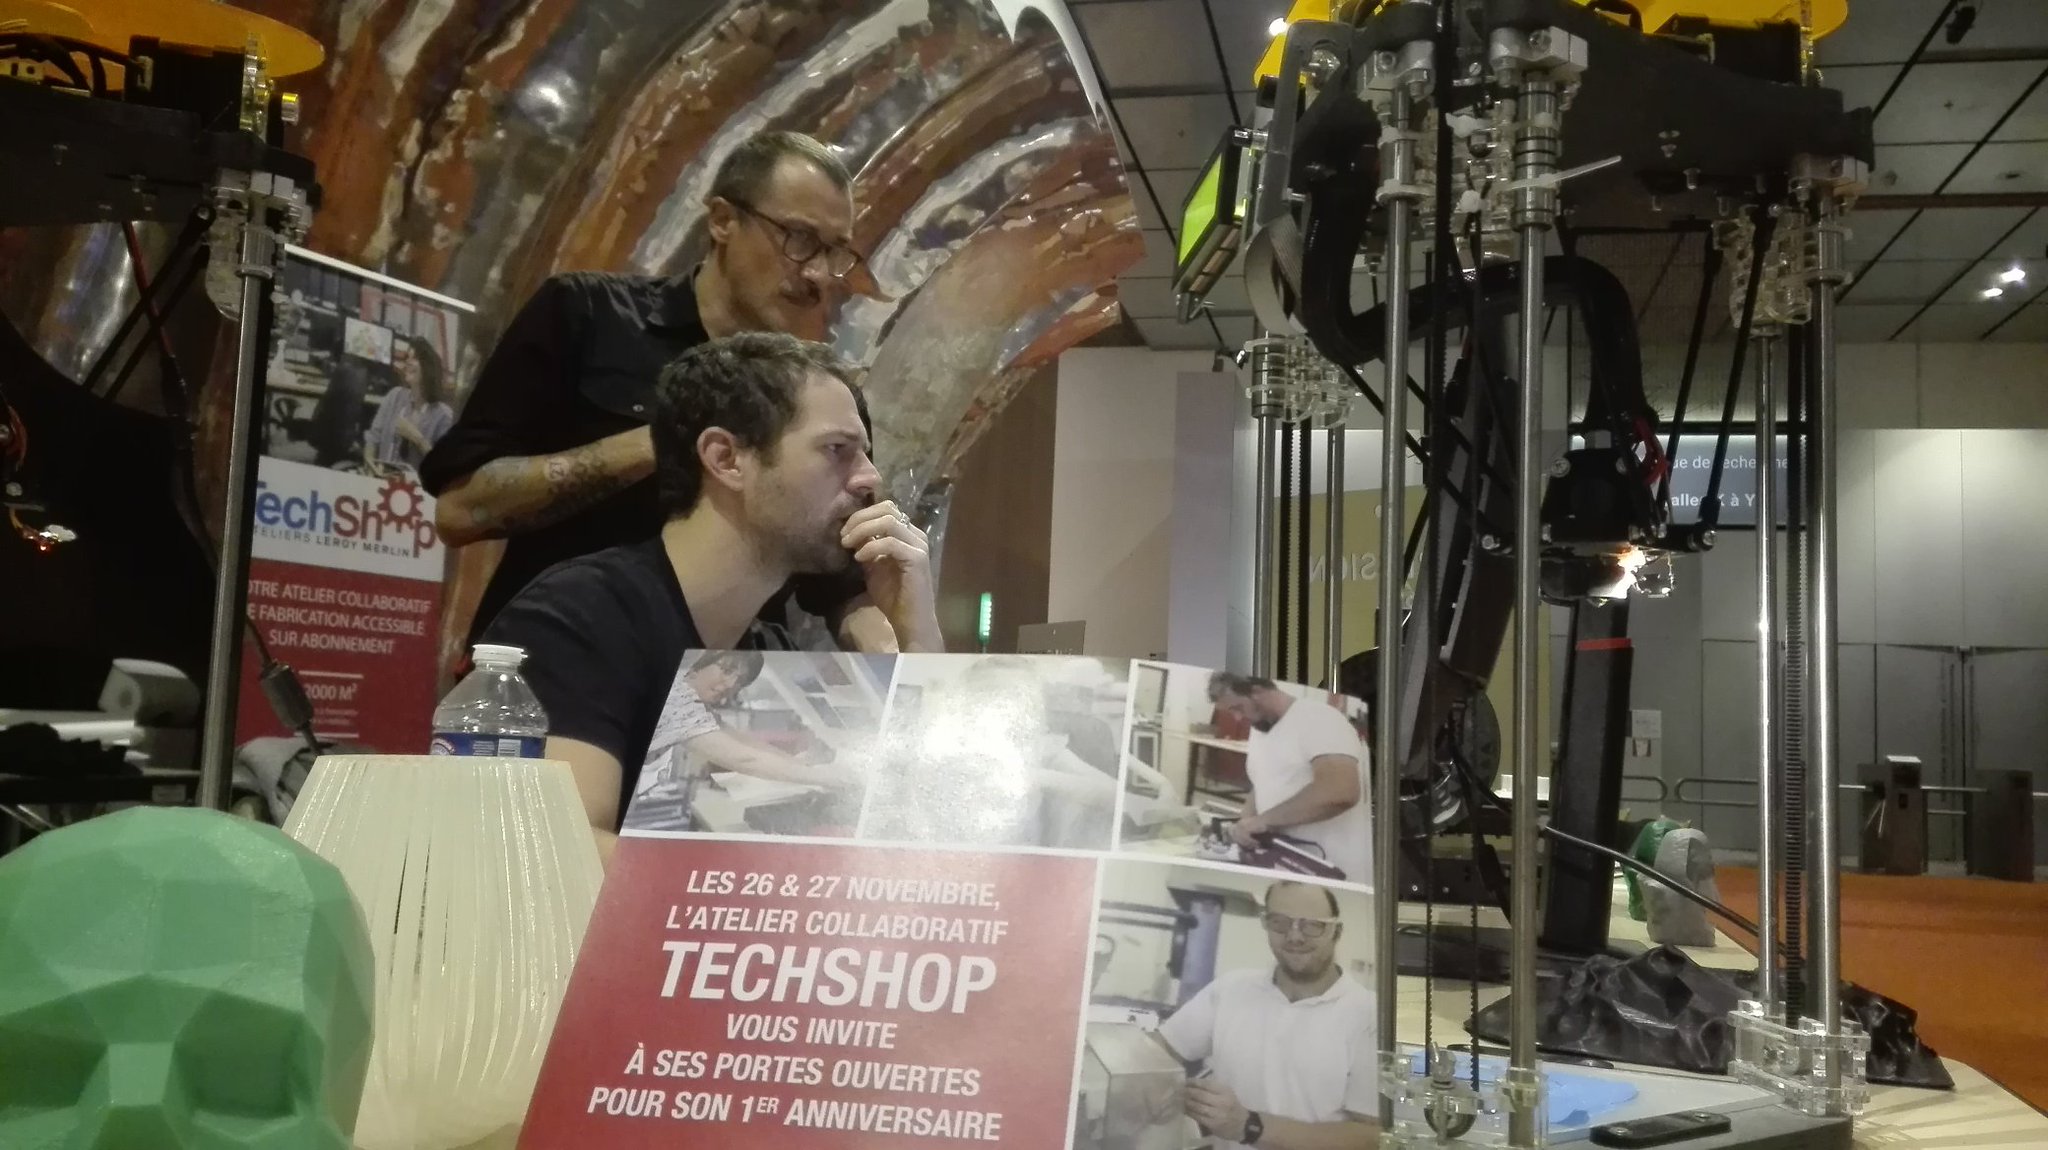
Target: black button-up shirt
x,y
577,364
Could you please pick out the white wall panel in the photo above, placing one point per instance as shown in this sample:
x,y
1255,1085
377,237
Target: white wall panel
x,y
2005,538
1919,560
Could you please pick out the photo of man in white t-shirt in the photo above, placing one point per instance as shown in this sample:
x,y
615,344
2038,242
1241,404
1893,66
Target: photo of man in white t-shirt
x,y
1306,765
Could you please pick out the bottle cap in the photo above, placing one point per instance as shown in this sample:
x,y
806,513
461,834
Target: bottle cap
x,y
497,653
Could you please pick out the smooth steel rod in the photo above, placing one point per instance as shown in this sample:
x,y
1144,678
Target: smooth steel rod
x,y
1333,555
1770,779
1528,621
224,657
1823,855
1262,532
1537,150
1386,718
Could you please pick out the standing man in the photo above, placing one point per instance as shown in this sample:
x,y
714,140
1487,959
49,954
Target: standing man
x,y
553,452
762,472
1290,1050
1307,770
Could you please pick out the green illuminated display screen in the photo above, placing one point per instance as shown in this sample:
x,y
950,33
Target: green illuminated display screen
x,y
1200,210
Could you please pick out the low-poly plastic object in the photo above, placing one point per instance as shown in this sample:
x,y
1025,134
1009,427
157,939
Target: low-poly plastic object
x,y
176,979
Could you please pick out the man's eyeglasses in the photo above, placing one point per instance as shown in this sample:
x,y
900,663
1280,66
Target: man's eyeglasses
x,y
801,245
1309,927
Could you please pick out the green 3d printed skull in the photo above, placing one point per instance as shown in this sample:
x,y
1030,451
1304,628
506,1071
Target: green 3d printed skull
x,y
179,980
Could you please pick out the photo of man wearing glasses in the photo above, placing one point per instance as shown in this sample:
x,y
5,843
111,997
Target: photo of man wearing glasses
x,y
1289,1052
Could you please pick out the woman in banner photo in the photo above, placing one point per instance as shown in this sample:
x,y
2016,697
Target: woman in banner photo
x,y
801,778
1001,750
412,416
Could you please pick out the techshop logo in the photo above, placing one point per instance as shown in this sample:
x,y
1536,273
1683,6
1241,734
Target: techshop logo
x,y
394,522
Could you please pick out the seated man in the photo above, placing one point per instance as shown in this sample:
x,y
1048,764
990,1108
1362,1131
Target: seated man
x,y
762,464
689,742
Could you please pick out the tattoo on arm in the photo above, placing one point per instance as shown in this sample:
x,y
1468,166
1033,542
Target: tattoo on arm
x,y
518,494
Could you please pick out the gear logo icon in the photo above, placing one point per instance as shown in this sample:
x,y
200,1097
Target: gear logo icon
x,y
401,503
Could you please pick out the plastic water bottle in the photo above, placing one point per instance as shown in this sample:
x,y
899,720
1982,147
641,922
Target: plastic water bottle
x,y
491,712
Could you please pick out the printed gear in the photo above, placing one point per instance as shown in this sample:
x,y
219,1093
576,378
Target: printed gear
x,y
394,487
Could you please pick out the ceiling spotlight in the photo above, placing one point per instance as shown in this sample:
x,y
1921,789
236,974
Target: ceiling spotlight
x,y
2013,275
1992,292
1278,27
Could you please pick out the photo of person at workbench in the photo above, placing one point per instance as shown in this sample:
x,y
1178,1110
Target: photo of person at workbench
x,y
753,742
1243,769
999,750
1228,1010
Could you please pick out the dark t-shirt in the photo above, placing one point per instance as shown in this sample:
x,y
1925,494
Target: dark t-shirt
x,y
579,363
604,636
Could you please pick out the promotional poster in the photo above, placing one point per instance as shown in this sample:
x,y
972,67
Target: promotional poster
x,y
345,566
1020,901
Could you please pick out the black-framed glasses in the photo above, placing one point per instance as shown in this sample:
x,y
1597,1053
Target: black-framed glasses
x,y
1309,927
801,245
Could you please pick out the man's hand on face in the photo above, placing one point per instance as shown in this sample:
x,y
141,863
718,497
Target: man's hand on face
x,y
1216,1107
895,557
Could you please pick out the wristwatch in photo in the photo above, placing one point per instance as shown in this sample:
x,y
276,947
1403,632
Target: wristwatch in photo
x,y
1254,1126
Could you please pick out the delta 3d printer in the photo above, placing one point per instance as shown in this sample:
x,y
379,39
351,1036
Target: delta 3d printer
x,y
1486,136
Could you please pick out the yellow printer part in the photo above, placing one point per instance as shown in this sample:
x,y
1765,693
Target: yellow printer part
x,y
1828,15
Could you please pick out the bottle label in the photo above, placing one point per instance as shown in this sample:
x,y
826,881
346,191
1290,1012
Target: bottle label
x,y
487,746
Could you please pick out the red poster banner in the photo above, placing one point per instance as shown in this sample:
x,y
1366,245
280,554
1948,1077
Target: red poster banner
x,y
806,995
363,646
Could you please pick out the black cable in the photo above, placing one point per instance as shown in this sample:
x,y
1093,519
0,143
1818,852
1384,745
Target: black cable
x,y
1624,860
280,686
1710,274
1444,54
1286,526
1304,472
1760,246
1656,876
187,246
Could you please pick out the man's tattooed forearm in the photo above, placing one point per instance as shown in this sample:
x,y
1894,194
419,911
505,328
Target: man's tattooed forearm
x,y
514,495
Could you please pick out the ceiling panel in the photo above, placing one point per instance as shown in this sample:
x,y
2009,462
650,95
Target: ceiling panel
x,y
2029,122
1242,25
2004,168
1229,294
1236,330
1915,169
1167,333
1985,274
1172,186
1151,44
1878,32
2029,326
1952,323
1861,86
1939,103
1870,323
2030,239
1904,281
1953,233
1174,131
1145,297
2009,24
1869,232
1158,257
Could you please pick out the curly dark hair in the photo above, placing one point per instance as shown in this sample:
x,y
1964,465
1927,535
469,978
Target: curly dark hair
x,y
746,384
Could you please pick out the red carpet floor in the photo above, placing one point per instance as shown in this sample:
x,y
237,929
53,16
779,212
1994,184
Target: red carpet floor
x,y
1971,955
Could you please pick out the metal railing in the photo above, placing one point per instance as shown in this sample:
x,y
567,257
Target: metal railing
x,y
1678,792
1663,790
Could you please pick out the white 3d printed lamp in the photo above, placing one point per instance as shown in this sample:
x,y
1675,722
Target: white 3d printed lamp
x,y
477,877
